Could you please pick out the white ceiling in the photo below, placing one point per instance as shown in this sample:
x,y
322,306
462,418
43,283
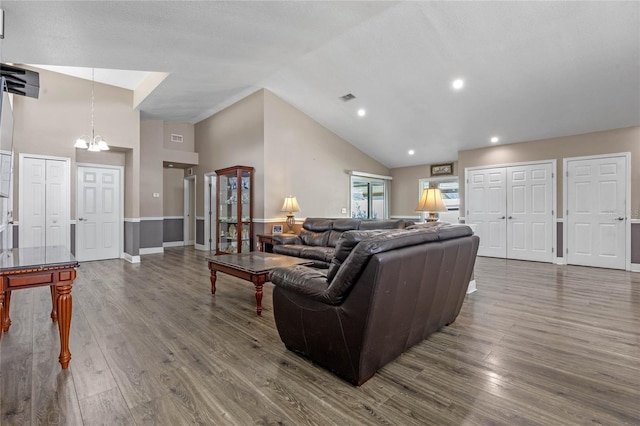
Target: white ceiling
x,y
532,70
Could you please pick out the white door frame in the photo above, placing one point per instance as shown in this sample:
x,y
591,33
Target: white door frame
x,y
627,208
554,197
185,221
209,178
121,213
67,168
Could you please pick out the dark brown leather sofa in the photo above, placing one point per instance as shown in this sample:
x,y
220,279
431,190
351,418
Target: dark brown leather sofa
x,y
384,292
319,236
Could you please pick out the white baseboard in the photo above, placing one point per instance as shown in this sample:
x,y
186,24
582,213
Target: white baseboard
x,y
131,259
151,250
559,261
173,244
201,247
635,267
472,287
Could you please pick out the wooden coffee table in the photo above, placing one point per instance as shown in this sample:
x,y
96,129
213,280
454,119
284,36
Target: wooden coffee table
x,y
253,266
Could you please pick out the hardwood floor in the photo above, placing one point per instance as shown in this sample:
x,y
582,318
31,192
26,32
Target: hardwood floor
x,y
538,344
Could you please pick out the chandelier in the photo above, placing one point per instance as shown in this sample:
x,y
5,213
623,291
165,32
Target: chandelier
x,y
93,143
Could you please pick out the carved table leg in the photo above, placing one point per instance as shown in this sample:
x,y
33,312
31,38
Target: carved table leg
x,y
64,304
6,320
54,307
258,281
213,281
1,310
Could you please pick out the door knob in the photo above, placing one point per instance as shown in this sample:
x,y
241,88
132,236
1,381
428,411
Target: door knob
x,y
620,218
81,218
510,217
501,217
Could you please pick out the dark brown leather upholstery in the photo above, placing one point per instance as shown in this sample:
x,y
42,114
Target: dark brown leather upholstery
x,y
318,234
393,289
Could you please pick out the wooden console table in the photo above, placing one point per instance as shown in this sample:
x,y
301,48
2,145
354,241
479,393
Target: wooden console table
x,y
35,267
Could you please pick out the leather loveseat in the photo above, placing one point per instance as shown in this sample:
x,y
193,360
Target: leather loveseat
x,y
384,292
319,236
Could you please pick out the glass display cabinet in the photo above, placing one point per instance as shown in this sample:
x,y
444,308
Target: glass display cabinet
x,y
234,210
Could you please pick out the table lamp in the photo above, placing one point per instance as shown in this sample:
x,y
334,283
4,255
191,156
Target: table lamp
x,y
431,201
290,205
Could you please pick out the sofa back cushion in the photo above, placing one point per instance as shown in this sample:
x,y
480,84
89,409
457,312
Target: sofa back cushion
x,y
353,265
317,224
366,224
345,245
312,238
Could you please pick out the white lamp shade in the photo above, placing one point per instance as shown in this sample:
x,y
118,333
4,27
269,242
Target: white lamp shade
x,y
81,143
431,201
290,204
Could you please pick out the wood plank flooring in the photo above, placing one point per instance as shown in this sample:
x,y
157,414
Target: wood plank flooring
x,y
538,344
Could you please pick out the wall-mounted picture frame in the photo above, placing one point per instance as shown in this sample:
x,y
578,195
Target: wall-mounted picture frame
x,y
277,229
441,169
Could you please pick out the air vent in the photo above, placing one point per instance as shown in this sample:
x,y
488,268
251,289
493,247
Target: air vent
x,y
176,138
347,97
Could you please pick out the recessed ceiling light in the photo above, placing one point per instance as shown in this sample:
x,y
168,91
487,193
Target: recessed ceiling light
x,y
411,152
458,84
362,112
495,139
170,165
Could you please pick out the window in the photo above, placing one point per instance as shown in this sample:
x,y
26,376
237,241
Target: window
x,y
369,196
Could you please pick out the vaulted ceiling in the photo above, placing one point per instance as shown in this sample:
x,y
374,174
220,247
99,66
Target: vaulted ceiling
x,y
531,70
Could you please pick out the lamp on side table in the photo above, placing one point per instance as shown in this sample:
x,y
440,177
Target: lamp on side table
x,y
290,205
431,201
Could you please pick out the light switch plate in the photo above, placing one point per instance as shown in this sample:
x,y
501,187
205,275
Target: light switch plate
x,y
156,195
344,210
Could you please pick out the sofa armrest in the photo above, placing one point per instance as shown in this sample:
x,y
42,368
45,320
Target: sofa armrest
x,y
302,280
286,239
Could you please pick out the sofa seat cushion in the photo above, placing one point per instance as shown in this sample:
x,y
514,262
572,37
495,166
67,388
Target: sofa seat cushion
x,y
324,254
288,249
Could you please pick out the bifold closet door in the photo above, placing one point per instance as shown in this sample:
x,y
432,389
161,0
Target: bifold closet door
x,y
512,208
486,190
530,212
44,218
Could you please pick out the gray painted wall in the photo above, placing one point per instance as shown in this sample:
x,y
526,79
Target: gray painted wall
x,y
559,240
151,232
199,231
172,230
132,238
635,243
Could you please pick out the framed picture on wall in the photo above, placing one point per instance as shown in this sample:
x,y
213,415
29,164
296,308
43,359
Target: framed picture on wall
x,y
277,229
441,169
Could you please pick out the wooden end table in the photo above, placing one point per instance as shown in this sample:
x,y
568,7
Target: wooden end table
x,y
35,267
253,266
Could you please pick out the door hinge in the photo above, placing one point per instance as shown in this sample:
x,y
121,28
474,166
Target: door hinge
x,y
567,250
210,240
552,250
567,173
552,213
553,175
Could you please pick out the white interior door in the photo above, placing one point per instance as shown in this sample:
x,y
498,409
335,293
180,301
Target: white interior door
x,y
44,202
189,228
486,208
98,230
530,212
596,212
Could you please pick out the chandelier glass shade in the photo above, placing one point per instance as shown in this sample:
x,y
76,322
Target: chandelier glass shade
x,y
93,143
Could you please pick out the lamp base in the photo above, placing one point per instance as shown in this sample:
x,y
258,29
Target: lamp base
x,y
290,222
433,217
